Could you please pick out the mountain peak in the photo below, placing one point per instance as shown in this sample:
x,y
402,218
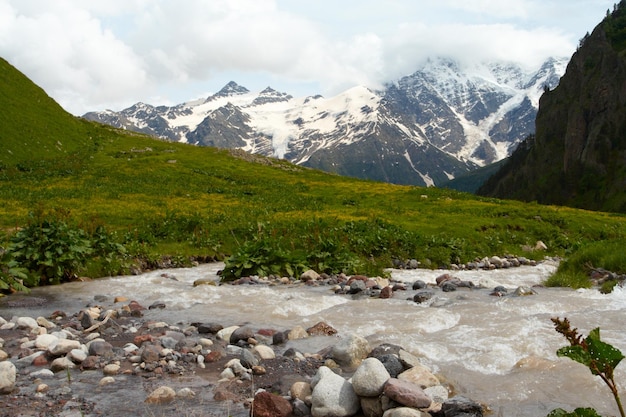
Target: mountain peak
x,y
231,89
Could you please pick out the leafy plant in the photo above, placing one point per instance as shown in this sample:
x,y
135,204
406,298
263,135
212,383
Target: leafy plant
x,y
601,358
51,250
262,257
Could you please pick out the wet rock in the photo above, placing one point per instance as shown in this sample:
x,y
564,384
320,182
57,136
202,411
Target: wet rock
x,y
350,351
279,338
63,347
8,374
437,393
419,285
26,323
111,369
370,377
449,287
150,353
61,364
186,393
44,341
406,393
156,304
423,296
499,291
140,339
211,328
296,333
264,352
419,375
266,404
524,291
332,395
356,287
77,355
460,406
371,406
241,334
301,390
321,329
100,348
161,395
309,275
107,380
168,342
247,359
386,292
392,364
404,412
225,333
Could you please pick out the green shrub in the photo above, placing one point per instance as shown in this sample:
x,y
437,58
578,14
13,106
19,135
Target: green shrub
x,y
574,271
262,257
51,250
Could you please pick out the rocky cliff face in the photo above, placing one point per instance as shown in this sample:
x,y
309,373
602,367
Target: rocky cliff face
x,y
578,155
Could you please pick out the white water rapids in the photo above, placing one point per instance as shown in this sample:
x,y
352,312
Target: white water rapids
x,y
500,351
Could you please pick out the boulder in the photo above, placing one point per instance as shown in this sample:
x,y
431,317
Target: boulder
x,y
310,275
419,375
161,395
266,404
332,395
404,412
350,351
370,378
406,393
63,347
460,406
321,329
8,374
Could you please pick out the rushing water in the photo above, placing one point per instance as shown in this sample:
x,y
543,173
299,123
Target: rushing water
x,y
496,350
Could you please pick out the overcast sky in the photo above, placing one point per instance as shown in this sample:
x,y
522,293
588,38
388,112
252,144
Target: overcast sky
x,y
92,55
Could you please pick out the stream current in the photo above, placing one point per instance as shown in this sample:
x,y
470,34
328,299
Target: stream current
x,y
500,351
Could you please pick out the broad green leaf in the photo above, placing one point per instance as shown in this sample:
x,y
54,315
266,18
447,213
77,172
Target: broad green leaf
x,y
575,353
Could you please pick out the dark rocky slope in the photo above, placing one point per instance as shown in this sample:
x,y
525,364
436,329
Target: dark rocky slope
x,y
578,155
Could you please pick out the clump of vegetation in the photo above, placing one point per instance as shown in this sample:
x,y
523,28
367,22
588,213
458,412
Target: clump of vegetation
x,y
574,271
601,358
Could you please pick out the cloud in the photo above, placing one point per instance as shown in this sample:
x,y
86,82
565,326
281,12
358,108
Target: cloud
x,y
94,55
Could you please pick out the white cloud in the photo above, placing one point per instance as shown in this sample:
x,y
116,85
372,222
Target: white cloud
x,y
93,55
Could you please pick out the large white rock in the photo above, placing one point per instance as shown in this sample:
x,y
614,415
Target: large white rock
x,y
332,395
44,341
226,332
27,323
63,346
7,377
265,352
369,378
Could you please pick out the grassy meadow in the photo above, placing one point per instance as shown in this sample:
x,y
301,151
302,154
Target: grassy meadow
x,y
128,198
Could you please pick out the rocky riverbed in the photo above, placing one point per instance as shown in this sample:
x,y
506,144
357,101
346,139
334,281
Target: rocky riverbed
x,y
108,360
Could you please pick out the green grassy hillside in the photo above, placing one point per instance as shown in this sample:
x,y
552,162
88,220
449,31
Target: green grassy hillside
x,y
160,198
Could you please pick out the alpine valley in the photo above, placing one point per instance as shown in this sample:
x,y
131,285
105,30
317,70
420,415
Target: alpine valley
x,y
439,123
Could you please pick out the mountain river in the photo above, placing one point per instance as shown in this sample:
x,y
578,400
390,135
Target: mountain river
x,y
500,351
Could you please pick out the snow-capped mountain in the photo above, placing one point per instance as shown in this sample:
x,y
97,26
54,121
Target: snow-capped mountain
x,y
440,122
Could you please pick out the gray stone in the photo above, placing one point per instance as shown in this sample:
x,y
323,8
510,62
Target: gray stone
x,y
350,351
332,395
370,378
27,323
8,374
63,347
460,406
242,333
61,364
